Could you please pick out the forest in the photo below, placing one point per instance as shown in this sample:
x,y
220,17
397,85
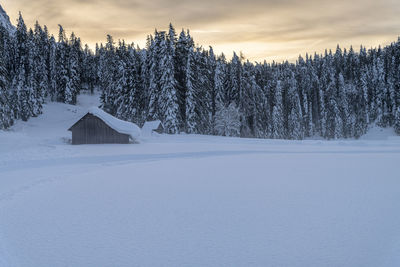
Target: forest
x,y
337,94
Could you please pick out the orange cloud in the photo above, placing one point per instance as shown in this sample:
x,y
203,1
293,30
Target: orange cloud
x,y
262,29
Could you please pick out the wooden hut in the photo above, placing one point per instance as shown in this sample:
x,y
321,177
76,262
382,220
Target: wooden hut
x,y
153,126
99,127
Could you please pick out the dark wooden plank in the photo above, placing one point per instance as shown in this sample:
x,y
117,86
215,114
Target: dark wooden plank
x,y
92,130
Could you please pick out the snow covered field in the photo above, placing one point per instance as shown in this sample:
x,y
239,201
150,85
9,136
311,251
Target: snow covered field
x,y
190,200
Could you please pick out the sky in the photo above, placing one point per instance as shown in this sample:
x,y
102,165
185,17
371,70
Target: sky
x,y
261,29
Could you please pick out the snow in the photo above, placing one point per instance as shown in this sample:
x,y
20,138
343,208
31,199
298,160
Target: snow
x,y
120,126
150,126
379,133
192,200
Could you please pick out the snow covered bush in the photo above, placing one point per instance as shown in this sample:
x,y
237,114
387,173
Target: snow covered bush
x,y
227,121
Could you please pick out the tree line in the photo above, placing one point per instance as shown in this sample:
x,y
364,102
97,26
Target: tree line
x,y
35,68
338,94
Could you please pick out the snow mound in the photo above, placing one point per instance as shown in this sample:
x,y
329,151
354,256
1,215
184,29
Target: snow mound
x,y
379,133
120,126
150,126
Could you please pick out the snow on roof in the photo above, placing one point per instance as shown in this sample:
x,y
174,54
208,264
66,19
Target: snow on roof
x,y
150,126
118,125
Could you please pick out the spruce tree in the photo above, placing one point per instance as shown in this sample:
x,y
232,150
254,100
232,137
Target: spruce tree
x,y
397,121
6,118
295,127
153,63
277,114
190,98
168,101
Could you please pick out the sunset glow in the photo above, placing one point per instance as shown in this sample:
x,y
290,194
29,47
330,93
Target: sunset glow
x,y
271,30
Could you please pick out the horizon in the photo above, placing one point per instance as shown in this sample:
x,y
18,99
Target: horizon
x,y
289,37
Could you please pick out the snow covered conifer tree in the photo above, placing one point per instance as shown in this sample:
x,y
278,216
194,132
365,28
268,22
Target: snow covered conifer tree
x,y
73,85
22,96
61,62
397,121
168,101
380,89
277,114
41,53
219,88
343,94
53,68
183,46
107,77
153,65
32,88
204,91
6,119
295,126
190,98
333,122
235,72
362,120
219,79
124,100
250,94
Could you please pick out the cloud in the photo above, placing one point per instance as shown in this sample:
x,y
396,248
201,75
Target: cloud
x,y
276,29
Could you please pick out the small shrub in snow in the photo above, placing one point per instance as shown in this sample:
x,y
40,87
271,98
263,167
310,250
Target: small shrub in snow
x,y
227,121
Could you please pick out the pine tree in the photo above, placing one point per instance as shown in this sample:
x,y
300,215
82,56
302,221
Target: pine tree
x,y
52,69
250,124
295,127
168,101
397,121
343,96
277,114
190,98
380,104
32,88
22,96
204,92
124,99
107,76
334,126
73,84
6,118
219,78
235,72
361,106
41,53
154,75
62,78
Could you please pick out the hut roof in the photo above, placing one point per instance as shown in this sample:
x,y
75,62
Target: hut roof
x,y
150,126
118,125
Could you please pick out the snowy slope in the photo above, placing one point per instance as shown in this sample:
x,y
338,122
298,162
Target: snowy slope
x,y
190,200
5,21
